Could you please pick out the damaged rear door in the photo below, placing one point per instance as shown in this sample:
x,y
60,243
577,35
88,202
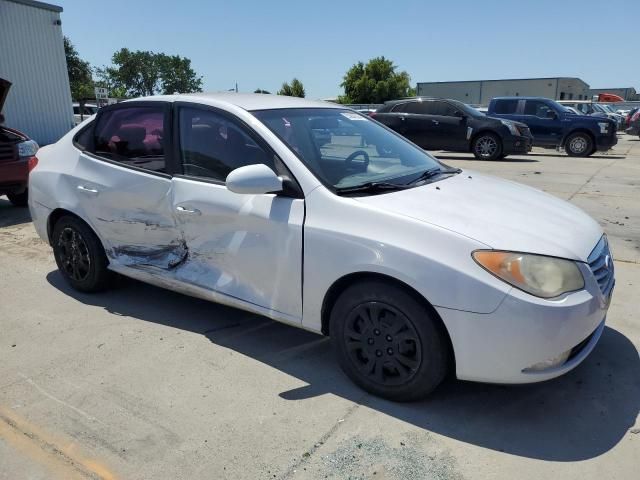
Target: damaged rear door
x,y
123,184
247,247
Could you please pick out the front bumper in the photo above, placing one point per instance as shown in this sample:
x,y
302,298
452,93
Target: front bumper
x,y
517,144
633,130
605,142
501,347
14,176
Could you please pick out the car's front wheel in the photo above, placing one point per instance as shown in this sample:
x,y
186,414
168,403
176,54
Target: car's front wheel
x,y
579,144
487,146
388,342
80,256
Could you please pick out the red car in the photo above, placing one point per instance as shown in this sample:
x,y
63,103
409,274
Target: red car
x,y
17,157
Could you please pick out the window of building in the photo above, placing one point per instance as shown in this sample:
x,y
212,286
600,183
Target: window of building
x,y
132,136
211,145
561,95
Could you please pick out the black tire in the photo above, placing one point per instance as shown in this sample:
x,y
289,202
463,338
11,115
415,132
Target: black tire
x,y
388,342
487,146
19,199
80,256
502,156
579,144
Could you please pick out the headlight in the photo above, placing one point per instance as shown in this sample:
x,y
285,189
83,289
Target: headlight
x,y
545,277
511,126
27,148
604,127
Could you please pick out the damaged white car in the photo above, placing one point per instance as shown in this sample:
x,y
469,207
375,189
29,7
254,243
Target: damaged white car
x,y
319,217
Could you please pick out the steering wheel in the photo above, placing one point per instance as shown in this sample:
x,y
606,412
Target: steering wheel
x,y
349,160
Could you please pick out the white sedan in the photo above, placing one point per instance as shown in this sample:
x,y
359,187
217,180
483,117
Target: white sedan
x,y
322,218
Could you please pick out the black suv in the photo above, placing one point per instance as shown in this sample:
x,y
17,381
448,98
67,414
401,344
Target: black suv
x,y
442,124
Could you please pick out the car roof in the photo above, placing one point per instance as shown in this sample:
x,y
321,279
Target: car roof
x,y
419,99
522,98
246,101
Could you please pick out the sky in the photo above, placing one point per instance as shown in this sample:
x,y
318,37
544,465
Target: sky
x,y
262,43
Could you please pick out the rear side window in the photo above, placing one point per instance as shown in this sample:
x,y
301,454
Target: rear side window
x,y
84,139
132,136
505,107
537,109
211,145
423,108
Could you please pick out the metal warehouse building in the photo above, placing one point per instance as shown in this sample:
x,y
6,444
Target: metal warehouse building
x,y
480,92
32,58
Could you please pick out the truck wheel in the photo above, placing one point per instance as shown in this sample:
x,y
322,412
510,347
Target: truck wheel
x,y
80,256
388,342
487,146
579,144
19,199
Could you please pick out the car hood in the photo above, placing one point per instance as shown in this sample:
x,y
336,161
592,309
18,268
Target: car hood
x,y
501,214
5,85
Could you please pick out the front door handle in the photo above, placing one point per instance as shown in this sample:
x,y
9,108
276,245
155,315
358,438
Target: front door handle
x,y
85,189
435,122
188,210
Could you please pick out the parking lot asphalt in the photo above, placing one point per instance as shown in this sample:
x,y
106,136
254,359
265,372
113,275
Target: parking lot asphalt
x,y
141,383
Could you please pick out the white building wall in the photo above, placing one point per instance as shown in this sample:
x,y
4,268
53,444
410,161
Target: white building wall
x,y
467,92
32,58
534,87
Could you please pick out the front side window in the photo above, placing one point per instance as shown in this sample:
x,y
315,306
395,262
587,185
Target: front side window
x,y
211,145
345,149
133,136
538,109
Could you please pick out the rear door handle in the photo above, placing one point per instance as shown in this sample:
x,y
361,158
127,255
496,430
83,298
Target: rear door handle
x,y
188,210
85,189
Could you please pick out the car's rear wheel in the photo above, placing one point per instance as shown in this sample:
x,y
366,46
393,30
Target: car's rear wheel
x,y
80,256
19,199
388,342
579,144
487,146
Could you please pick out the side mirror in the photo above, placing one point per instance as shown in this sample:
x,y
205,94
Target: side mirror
x,y
551,114
254,179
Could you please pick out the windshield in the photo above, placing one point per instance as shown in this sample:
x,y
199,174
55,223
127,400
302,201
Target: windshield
x,y
607,108
468,109
345,149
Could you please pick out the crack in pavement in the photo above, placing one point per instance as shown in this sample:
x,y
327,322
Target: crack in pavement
x,y
306,456
591,178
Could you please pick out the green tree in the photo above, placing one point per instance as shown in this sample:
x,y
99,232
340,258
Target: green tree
x,y
144,73
293,89
375,82
259,90
79,71
177,76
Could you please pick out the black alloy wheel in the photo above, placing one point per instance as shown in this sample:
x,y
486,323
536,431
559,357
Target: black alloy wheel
x,y
74,254
382,343
388,341
80,256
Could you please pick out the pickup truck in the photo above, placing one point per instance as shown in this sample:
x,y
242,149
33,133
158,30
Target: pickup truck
x,y
554,126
